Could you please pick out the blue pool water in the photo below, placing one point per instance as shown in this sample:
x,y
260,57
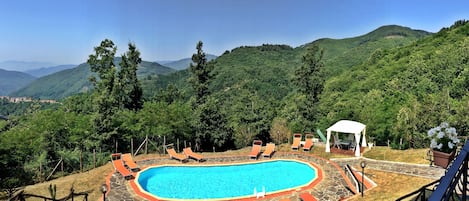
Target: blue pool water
x,y
227,181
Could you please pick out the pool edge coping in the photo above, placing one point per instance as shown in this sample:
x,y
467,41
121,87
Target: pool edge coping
x,y
139,191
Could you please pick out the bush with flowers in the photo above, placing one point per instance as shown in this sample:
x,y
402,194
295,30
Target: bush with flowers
x,y
443,138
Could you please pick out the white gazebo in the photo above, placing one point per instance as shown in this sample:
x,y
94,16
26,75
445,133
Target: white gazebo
x,y
350,127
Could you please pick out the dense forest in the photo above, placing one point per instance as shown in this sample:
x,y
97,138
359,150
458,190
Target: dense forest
x,y
399,82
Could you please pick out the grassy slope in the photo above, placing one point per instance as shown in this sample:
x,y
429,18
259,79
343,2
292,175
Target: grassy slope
x,y
387,182
391,185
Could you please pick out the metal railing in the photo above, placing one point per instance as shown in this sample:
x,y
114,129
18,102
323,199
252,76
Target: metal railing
x,y
452,186
422,193
455,176
351,176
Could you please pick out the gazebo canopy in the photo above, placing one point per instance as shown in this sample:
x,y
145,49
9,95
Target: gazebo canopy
x,y
347,126
351,127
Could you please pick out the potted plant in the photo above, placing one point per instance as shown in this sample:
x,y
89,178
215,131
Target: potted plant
x,y
444,140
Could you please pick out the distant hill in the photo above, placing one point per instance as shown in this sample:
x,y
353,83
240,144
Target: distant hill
x,y
13,80
341,54
23,65
39,72
184,63
71,81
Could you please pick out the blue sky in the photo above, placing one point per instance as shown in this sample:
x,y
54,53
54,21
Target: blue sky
x,y
65,31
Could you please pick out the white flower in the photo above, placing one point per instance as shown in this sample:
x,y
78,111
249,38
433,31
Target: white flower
x,y
441,134
444,124
451,130
433,144
450,145
431,132
443,138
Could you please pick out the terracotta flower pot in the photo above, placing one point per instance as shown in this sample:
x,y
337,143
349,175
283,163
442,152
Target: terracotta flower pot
x,y
443,159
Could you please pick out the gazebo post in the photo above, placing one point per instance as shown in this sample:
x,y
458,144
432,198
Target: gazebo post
x,y
357,145
364,137
328,144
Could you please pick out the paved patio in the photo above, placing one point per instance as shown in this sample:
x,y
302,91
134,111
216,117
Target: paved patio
x,y
334,185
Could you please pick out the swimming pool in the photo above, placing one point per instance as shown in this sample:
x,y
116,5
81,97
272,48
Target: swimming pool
x,y
225,181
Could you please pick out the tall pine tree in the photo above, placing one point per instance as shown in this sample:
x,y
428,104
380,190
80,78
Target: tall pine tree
x,y
102,63
128,88
114,90
309,79
211,125
201,75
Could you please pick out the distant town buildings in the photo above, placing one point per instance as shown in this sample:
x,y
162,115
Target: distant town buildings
x,y
26,99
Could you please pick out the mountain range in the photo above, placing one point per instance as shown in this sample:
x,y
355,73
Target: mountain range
x,y
271,66
39,72
396,80
22,66
245,65
13,80
75,80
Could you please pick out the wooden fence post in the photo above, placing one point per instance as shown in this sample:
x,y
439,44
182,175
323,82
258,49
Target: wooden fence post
x,y
164,144
132,146
81,161
94,158
61,158
146,144
40,170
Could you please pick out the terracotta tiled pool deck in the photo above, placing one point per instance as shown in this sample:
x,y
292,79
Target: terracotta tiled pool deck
x,y
334,185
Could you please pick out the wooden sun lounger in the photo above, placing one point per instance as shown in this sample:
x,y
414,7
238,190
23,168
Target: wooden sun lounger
x,y
269,150
296,141
307,197
189,153
308,142
256,149
173,155
119,166
127,158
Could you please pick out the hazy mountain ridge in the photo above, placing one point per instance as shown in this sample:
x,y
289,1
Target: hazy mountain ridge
x,y
71,81
39,72
13,80
23,65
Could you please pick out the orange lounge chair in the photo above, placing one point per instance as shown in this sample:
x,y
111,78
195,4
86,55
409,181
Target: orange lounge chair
x,y
308,142
189,153
173,155
256,149
119,166
130,162
296,141
307,197
269,150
